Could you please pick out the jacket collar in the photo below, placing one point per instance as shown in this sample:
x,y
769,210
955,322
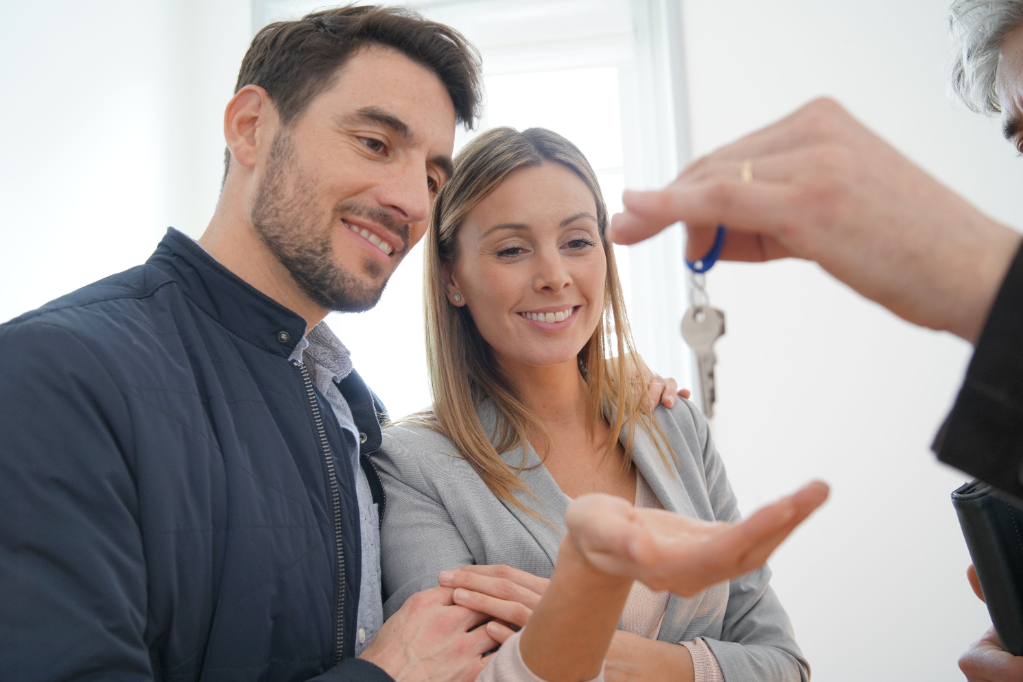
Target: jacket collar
x,y
236,305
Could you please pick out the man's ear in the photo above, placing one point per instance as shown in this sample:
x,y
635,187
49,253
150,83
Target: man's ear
x,y
250,120
447,272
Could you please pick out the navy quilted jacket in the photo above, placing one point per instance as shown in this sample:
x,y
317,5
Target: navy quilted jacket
x,y
171,503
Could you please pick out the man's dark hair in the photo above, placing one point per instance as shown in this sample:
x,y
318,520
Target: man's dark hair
x,y
294,61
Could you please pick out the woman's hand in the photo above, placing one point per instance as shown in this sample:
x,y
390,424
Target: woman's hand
x,y
671,552
506,594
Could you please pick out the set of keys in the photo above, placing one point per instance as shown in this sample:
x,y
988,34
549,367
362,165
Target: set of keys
x,y
702,324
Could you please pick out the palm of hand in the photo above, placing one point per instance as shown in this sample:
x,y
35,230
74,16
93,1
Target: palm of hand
x,y
666,551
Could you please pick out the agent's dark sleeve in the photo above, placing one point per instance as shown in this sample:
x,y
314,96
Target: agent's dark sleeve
x,y
983,435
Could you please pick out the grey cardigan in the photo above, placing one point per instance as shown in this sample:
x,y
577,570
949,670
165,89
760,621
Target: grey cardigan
x,y
439,515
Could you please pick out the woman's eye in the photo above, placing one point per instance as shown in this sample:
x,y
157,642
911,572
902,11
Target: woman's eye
x,y
510,252
577,244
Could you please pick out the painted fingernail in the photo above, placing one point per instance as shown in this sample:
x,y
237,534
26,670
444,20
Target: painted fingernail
x,y
445,577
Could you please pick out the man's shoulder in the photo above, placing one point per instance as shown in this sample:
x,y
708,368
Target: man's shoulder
x,y
109,313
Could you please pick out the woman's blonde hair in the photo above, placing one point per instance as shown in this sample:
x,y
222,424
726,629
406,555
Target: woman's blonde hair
x,y
463,370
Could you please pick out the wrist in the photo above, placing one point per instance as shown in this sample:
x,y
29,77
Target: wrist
x,y
994,258
571,559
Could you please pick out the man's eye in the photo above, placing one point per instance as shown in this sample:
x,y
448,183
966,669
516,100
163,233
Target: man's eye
x,y
373,145
432,185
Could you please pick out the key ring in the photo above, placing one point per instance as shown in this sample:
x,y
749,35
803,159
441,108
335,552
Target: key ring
x,y
707,262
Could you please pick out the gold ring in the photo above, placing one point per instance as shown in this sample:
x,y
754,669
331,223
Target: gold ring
x,y
746,172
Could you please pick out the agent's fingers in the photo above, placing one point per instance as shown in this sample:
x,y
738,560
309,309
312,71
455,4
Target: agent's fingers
x,y
508,611
971,575
524,579
751,206
822,121
746,247
499,588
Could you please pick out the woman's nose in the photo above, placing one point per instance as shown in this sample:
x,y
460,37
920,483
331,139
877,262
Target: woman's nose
x,y
551,274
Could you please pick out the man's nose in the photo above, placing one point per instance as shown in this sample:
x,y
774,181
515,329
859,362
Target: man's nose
x,y
407,194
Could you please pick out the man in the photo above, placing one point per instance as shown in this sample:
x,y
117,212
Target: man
x,y
175,501
818,185
185,483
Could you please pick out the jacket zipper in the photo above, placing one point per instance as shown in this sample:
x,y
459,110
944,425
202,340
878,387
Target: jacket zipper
x,y
335,498
383,493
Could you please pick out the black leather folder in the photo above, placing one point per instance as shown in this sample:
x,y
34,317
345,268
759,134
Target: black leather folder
x,y
993,529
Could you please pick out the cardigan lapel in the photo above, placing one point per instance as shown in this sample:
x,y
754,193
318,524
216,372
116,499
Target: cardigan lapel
x,y
547,500
666,483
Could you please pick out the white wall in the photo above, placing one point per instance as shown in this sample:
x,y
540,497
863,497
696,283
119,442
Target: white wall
x,y
110,131
814,381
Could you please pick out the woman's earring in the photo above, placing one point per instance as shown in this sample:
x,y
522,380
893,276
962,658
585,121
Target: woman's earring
x,y
457,298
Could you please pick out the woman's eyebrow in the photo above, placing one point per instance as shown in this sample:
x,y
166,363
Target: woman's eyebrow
x,y
505,226
571,219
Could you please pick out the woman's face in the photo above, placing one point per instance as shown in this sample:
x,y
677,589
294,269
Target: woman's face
x,y
531,267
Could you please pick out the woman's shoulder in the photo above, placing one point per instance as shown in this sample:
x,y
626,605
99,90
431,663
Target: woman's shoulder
x,y
683,425
415,438
414,449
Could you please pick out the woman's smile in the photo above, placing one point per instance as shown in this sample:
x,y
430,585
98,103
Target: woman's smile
x,y
552,318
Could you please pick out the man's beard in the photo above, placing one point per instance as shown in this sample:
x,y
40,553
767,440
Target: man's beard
x,y
299,236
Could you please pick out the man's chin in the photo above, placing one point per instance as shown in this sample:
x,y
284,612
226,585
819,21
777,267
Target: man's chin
x,y
353,297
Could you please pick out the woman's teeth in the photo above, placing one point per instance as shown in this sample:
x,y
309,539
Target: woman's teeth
x,y
375,240
560,316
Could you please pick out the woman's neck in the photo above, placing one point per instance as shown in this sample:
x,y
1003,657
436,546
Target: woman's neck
x,y
556,394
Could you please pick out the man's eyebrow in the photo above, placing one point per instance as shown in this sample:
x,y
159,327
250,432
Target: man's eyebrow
x,y
378,115
1012,127
582,214
445,164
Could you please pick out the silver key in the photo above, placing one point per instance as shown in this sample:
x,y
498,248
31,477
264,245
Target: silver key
x,y
701,327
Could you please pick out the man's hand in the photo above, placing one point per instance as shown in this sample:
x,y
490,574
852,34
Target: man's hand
x,y
821,186
659,389
432,639
985,660
671,552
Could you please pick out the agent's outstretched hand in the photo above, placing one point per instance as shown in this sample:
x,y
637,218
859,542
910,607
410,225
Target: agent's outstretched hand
x,y
819,185
671,552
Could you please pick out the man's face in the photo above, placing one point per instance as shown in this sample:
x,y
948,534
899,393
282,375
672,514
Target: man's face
x,y
346,189
1009,86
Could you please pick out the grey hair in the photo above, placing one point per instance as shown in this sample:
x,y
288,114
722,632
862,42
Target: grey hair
x,y
979,27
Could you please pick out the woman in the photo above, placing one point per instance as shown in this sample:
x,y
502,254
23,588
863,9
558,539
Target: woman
x,y
533,374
